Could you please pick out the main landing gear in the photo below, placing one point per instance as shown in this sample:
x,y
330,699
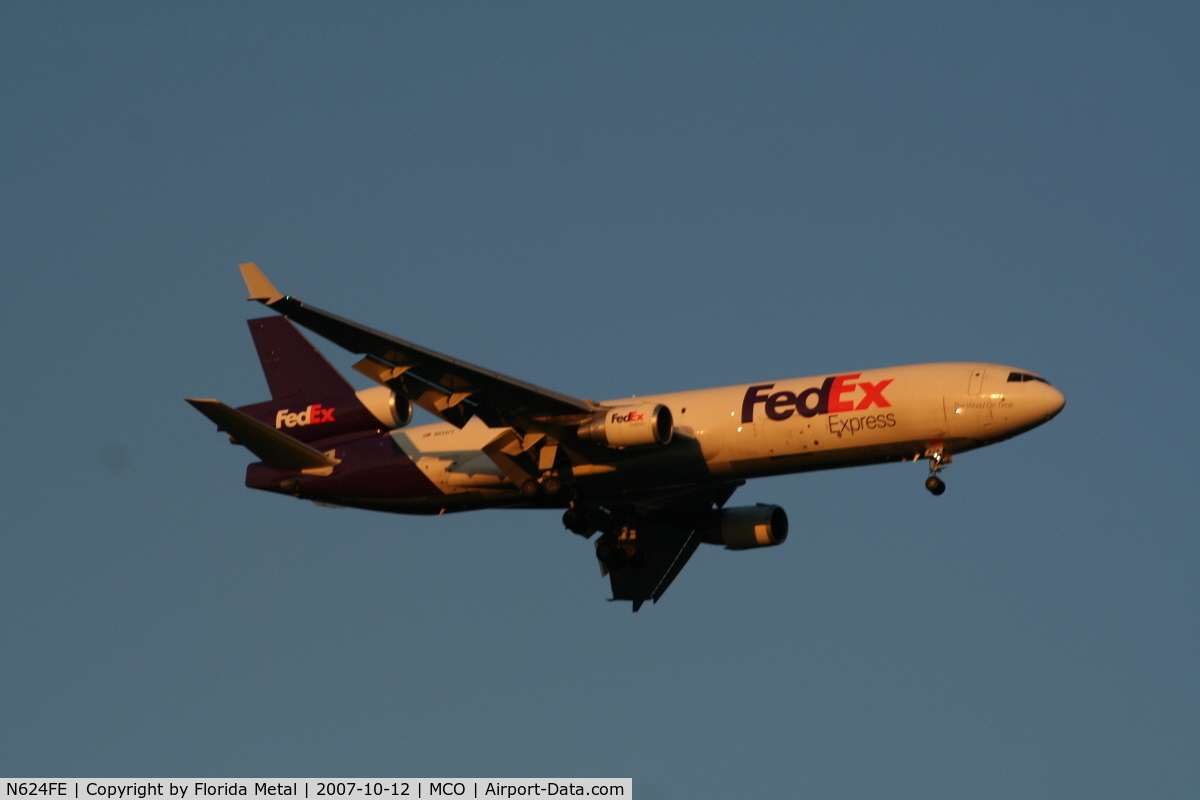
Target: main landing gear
x,y
549,485
938,460
618,542
619,548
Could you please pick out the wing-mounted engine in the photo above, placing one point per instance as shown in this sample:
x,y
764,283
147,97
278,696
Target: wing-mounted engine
x,y
630,426
747,527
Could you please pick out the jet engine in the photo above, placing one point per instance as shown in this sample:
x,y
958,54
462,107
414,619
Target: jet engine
x,y
385,406
313,419
747,527
630,426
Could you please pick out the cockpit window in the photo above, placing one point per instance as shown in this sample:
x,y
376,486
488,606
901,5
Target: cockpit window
x,y
1021,377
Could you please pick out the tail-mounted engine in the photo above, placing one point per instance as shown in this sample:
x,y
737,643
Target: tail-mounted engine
x,y
393,411
310,399
747,527
311,419
630,426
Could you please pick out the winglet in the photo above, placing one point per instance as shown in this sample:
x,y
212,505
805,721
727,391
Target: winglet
x,y
256,282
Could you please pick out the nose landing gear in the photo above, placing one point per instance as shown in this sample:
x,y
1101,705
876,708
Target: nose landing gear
x,y
938,460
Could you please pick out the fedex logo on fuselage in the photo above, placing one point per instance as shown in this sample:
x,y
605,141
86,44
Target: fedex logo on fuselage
x,y
835,394
313,415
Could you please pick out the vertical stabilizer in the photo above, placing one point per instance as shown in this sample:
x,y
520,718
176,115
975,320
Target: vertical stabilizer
x,y
292,366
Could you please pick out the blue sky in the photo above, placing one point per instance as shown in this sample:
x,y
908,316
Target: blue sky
x,y
606,200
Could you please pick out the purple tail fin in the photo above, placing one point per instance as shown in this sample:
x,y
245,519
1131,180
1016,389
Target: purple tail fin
x,y
292,366
309,399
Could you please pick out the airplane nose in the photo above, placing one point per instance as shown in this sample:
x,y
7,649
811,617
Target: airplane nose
x,y
1054,401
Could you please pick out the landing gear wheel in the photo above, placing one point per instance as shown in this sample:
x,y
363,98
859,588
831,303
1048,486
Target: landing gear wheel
x,y
530,489
552,485
608,553
939,459
614,556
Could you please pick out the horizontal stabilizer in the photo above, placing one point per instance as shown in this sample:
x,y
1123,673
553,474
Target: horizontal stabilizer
x,y
274,447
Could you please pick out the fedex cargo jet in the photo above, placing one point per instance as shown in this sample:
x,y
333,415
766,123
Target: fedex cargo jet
x,y
651,475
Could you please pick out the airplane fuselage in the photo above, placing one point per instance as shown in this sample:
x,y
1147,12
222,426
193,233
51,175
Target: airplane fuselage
x,y
745,431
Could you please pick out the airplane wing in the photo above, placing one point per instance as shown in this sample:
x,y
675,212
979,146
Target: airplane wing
x,y
446,387
663,550
660,534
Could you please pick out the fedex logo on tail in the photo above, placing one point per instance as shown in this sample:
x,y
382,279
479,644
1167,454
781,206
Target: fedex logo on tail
x,y
835,394
313,415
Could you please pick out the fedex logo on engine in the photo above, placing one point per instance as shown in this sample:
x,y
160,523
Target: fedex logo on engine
x,y
313,415
834,395
632,416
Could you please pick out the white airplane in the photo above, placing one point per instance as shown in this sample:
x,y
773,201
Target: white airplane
x,y
650,474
